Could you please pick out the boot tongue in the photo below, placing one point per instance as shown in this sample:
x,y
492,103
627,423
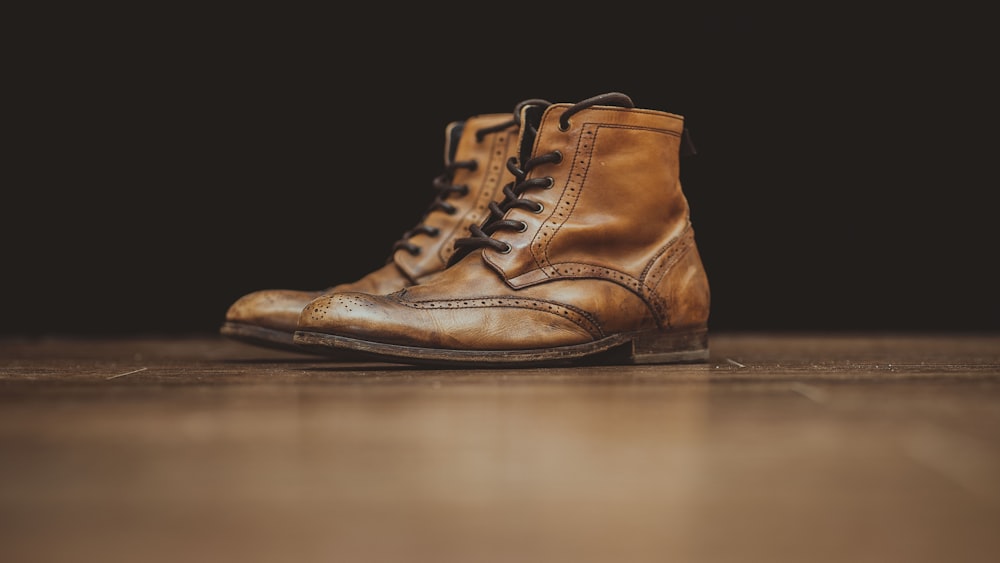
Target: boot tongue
x,y
528,118
531,119
453,134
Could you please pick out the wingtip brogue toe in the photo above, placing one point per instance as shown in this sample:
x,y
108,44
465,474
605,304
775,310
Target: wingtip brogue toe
x,y
476,150
591,254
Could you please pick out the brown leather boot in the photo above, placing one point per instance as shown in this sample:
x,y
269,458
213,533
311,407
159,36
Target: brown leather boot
x,y
591,255
476,151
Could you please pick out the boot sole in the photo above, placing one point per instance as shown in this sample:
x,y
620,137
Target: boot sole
x,y
284,341
650,347
260,336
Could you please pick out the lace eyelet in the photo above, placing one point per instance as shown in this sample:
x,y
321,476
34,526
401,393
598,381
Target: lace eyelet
x,y
559,156
539,209
433,231
508,248
524,227
552,182
563,125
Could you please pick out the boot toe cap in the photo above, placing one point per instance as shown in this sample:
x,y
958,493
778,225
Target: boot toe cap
x,y
338,312
272,308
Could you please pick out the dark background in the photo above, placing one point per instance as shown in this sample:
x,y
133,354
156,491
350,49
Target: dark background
x,y
163,163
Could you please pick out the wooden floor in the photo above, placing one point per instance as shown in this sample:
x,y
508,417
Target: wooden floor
x,y
802,448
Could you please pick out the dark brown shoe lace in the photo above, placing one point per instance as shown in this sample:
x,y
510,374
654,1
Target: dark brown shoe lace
x,y
482,236
445,188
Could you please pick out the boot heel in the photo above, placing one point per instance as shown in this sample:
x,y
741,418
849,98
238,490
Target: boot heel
x,y
663,347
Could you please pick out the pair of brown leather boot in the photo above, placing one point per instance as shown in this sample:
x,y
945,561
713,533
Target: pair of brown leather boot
x,y
559,234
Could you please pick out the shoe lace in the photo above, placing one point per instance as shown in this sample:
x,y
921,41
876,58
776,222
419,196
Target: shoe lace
x,y
445,188
482,235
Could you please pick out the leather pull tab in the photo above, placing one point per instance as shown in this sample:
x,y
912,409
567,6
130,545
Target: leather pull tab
x,y
453,134
687,145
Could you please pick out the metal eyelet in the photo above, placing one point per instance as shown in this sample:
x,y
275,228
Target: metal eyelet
x,y
558,153
507,249
552,182
433,231
524,227
563,125
540,208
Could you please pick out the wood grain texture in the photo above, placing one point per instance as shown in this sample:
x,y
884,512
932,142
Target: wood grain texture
x,y
783,447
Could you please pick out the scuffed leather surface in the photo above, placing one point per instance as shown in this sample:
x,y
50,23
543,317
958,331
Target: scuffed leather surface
x,y
613,251
485,182
280,308
271,308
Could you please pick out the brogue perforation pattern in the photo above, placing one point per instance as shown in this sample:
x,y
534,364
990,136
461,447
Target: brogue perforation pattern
x,y
487,192
646,293
573,188
567,200
572,191
577,316
320,308
580,270
658,268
